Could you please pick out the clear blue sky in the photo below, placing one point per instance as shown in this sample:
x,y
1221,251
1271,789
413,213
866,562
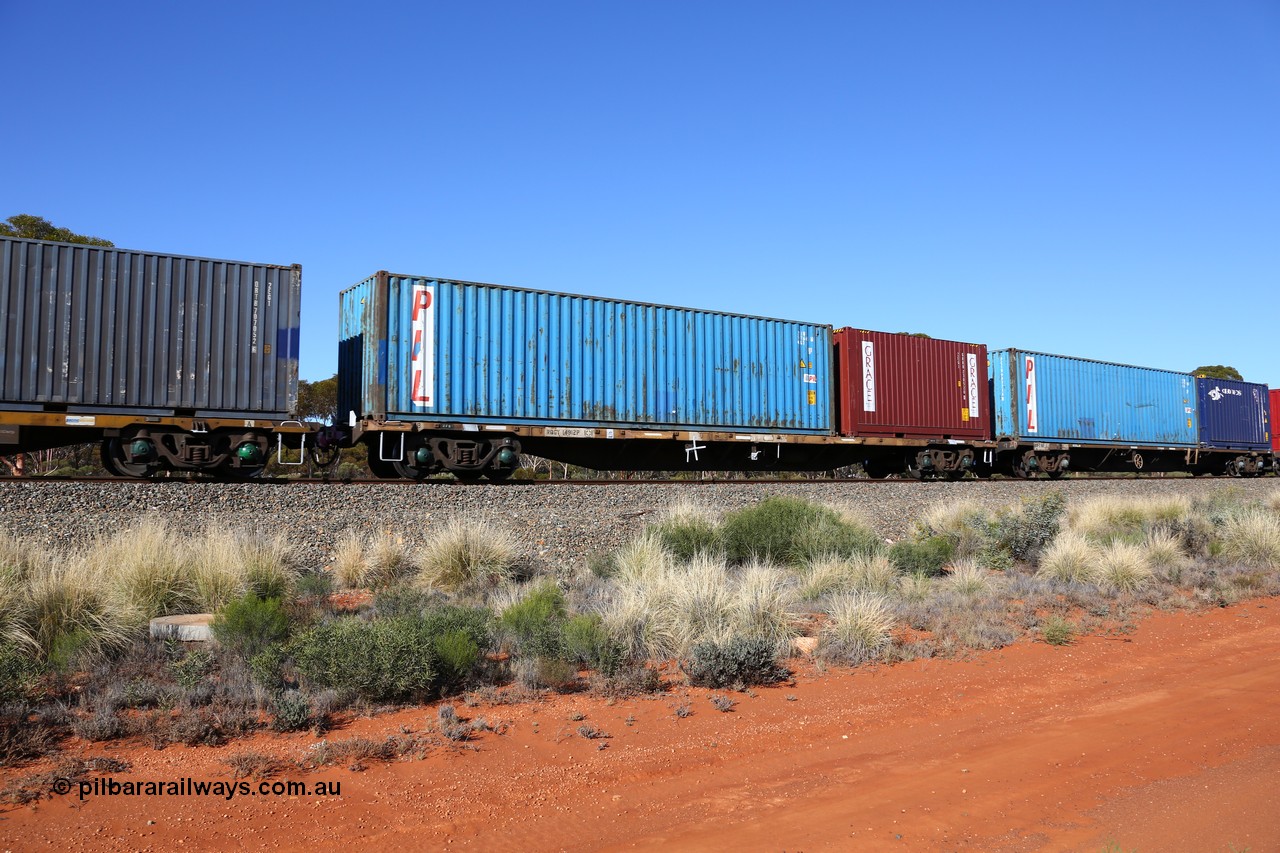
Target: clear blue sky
x,y
1088,178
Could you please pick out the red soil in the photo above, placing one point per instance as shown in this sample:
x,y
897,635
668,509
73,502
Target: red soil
x,y
1166,739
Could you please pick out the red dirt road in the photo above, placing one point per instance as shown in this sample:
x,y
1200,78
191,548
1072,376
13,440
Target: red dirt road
x,y
1167,739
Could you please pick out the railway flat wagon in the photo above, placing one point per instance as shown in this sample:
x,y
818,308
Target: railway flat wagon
x,y
444,375
170,361
903,390
1054,412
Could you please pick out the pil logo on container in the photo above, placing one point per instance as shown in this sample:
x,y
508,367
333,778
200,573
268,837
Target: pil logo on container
x,y
1217,393
1029,368
422,356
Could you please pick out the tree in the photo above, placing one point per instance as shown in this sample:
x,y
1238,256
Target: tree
x,y
38,228
318,401
1217,371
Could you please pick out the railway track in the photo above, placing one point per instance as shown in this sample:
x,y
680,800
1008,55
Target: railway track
x,y
709,481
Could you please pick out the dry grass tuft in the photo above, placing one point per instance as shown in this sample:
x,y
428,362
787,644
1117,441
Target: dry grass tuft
x,y
968,578
467,554
859,626
1253,539
1069,557
1122,567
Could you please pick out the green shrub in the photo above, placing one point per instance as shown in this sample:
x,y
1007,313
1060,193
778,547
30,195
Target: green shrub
x,y
401,600
588,643
386,659
773,529
458,654
249,624
292,713
18,674
739,662
1057,631
923,557
1023,532
191,669
536,622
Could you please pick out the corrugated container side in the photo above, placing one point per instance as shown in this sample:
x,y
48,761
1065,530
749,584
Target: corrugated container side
x,y
434,349
1275,418
901,386
1042,397
1234,414
98,329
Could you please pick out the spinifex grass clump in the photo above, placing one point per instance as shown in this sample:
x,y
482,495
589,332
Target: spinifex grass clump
x,y
148,567
661,609
858,629
1252,538
830,574
467,556
1122,567
1070,557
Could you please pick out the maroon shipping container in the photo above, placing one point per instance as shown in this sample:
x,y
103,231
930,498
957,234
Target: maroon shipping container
x,y
1275,413
899,386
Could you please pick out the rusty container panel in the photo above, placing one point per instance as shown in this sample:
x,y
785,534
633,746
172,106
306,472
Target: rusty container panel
x,y
1058,398
1233,414
418,348
95,329
1275,413
899,386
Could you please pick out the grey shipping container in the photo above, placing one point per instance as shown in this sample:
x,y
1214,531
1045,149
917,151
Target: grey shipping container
x,y
92,329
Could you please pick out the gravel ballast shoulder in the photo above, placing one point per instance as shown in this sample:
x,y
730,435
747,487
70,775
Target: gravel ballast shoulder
x,y
556,526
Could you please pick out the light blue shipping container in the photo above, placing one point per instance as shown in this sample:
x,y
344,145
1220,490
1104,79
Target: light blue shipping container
x,y
414,348
1055,398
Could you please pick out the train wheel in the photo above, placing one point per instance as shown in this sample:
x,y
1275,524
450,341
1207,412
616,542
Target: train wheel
x,y
117,462
499,475
381,470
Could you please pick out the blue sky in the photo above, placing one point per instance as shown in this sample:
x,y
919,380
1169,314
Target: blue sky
x,y
1089,178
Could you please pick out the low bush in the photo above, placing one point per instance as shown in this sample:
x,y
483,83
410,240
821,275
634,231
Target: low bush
x,y
248,625
923,557
535,623
387,659
1024,531
291,712
789,530
588,643
738,662
1057,631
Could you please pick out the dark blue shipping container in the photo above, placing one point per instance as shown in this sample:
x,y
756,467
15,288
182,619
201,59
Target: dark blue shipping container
x,y
429,349
1234,414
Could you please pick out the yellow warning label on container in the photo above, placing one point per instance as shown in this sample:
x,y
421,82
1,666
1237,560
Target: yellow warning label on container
x,y
1188,423
964,414
813,398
